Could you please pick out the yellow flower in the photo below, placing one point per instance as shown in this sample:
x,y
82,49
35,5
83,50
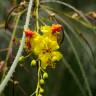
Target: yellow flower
x,y
49,51
46,30
30,36
50,44
45,59
45,46
38,44
56,56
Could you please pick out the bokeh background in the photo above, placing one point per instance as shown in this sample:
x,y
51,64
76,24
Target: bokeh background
x,y
61,81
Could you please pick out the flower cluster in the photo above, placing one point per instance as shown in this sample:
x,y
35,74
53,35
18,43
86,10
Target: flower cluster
x,y
44,45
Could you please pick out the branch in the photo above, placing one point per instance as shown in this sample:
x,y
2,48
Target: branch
x,y
12,69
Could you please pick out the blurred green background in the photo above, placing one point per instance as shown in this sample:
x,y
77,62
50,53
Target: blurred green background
x,y
61,81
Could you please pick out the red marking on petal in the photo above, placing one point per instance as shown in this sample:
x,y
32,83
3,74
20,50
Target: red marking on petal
x,y
28,45
29,33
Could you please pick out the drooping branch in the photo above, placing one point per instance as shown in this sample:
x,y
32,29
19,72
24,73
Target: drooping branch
x,y
12,69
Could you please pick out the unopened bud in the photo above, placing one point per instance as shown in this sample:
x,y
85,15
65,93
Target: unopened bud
x,y
45,75
33,62
41,81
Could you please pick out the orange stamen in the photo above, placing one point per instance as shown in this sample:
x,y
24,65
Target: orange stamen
x,y
56,28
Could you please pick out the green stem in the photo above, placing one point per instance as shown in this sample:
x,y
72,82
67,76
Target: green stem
x,y
11,43
80,65
38,84
69,6
67,65
12,69
37,15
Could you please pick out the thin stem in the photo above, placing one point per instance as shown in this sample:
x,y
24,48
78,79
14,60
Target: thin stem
x,y
12,69
80,65
11,43
74,9
41,21
37,15
22,90
69,6
67,65
38,85
33,93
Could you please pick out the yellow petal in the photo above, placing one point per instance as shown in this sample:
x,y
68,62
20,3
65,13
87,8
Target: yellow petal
x,y
56,56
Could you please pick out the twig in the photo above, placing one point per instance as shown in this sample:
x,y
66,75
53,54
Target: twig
x,y
12,69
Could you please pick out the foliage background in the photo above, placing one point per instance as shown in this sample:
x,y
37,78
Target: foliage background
x,y
60,81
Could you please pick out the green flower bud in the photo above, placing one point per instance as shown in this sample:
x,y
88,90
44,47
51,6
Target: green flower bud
x,y
21,58
33,62
41,90
45,75
42,81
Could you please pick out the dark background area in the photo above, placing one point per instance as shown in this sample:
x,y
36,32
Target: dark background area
x,y
61,81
